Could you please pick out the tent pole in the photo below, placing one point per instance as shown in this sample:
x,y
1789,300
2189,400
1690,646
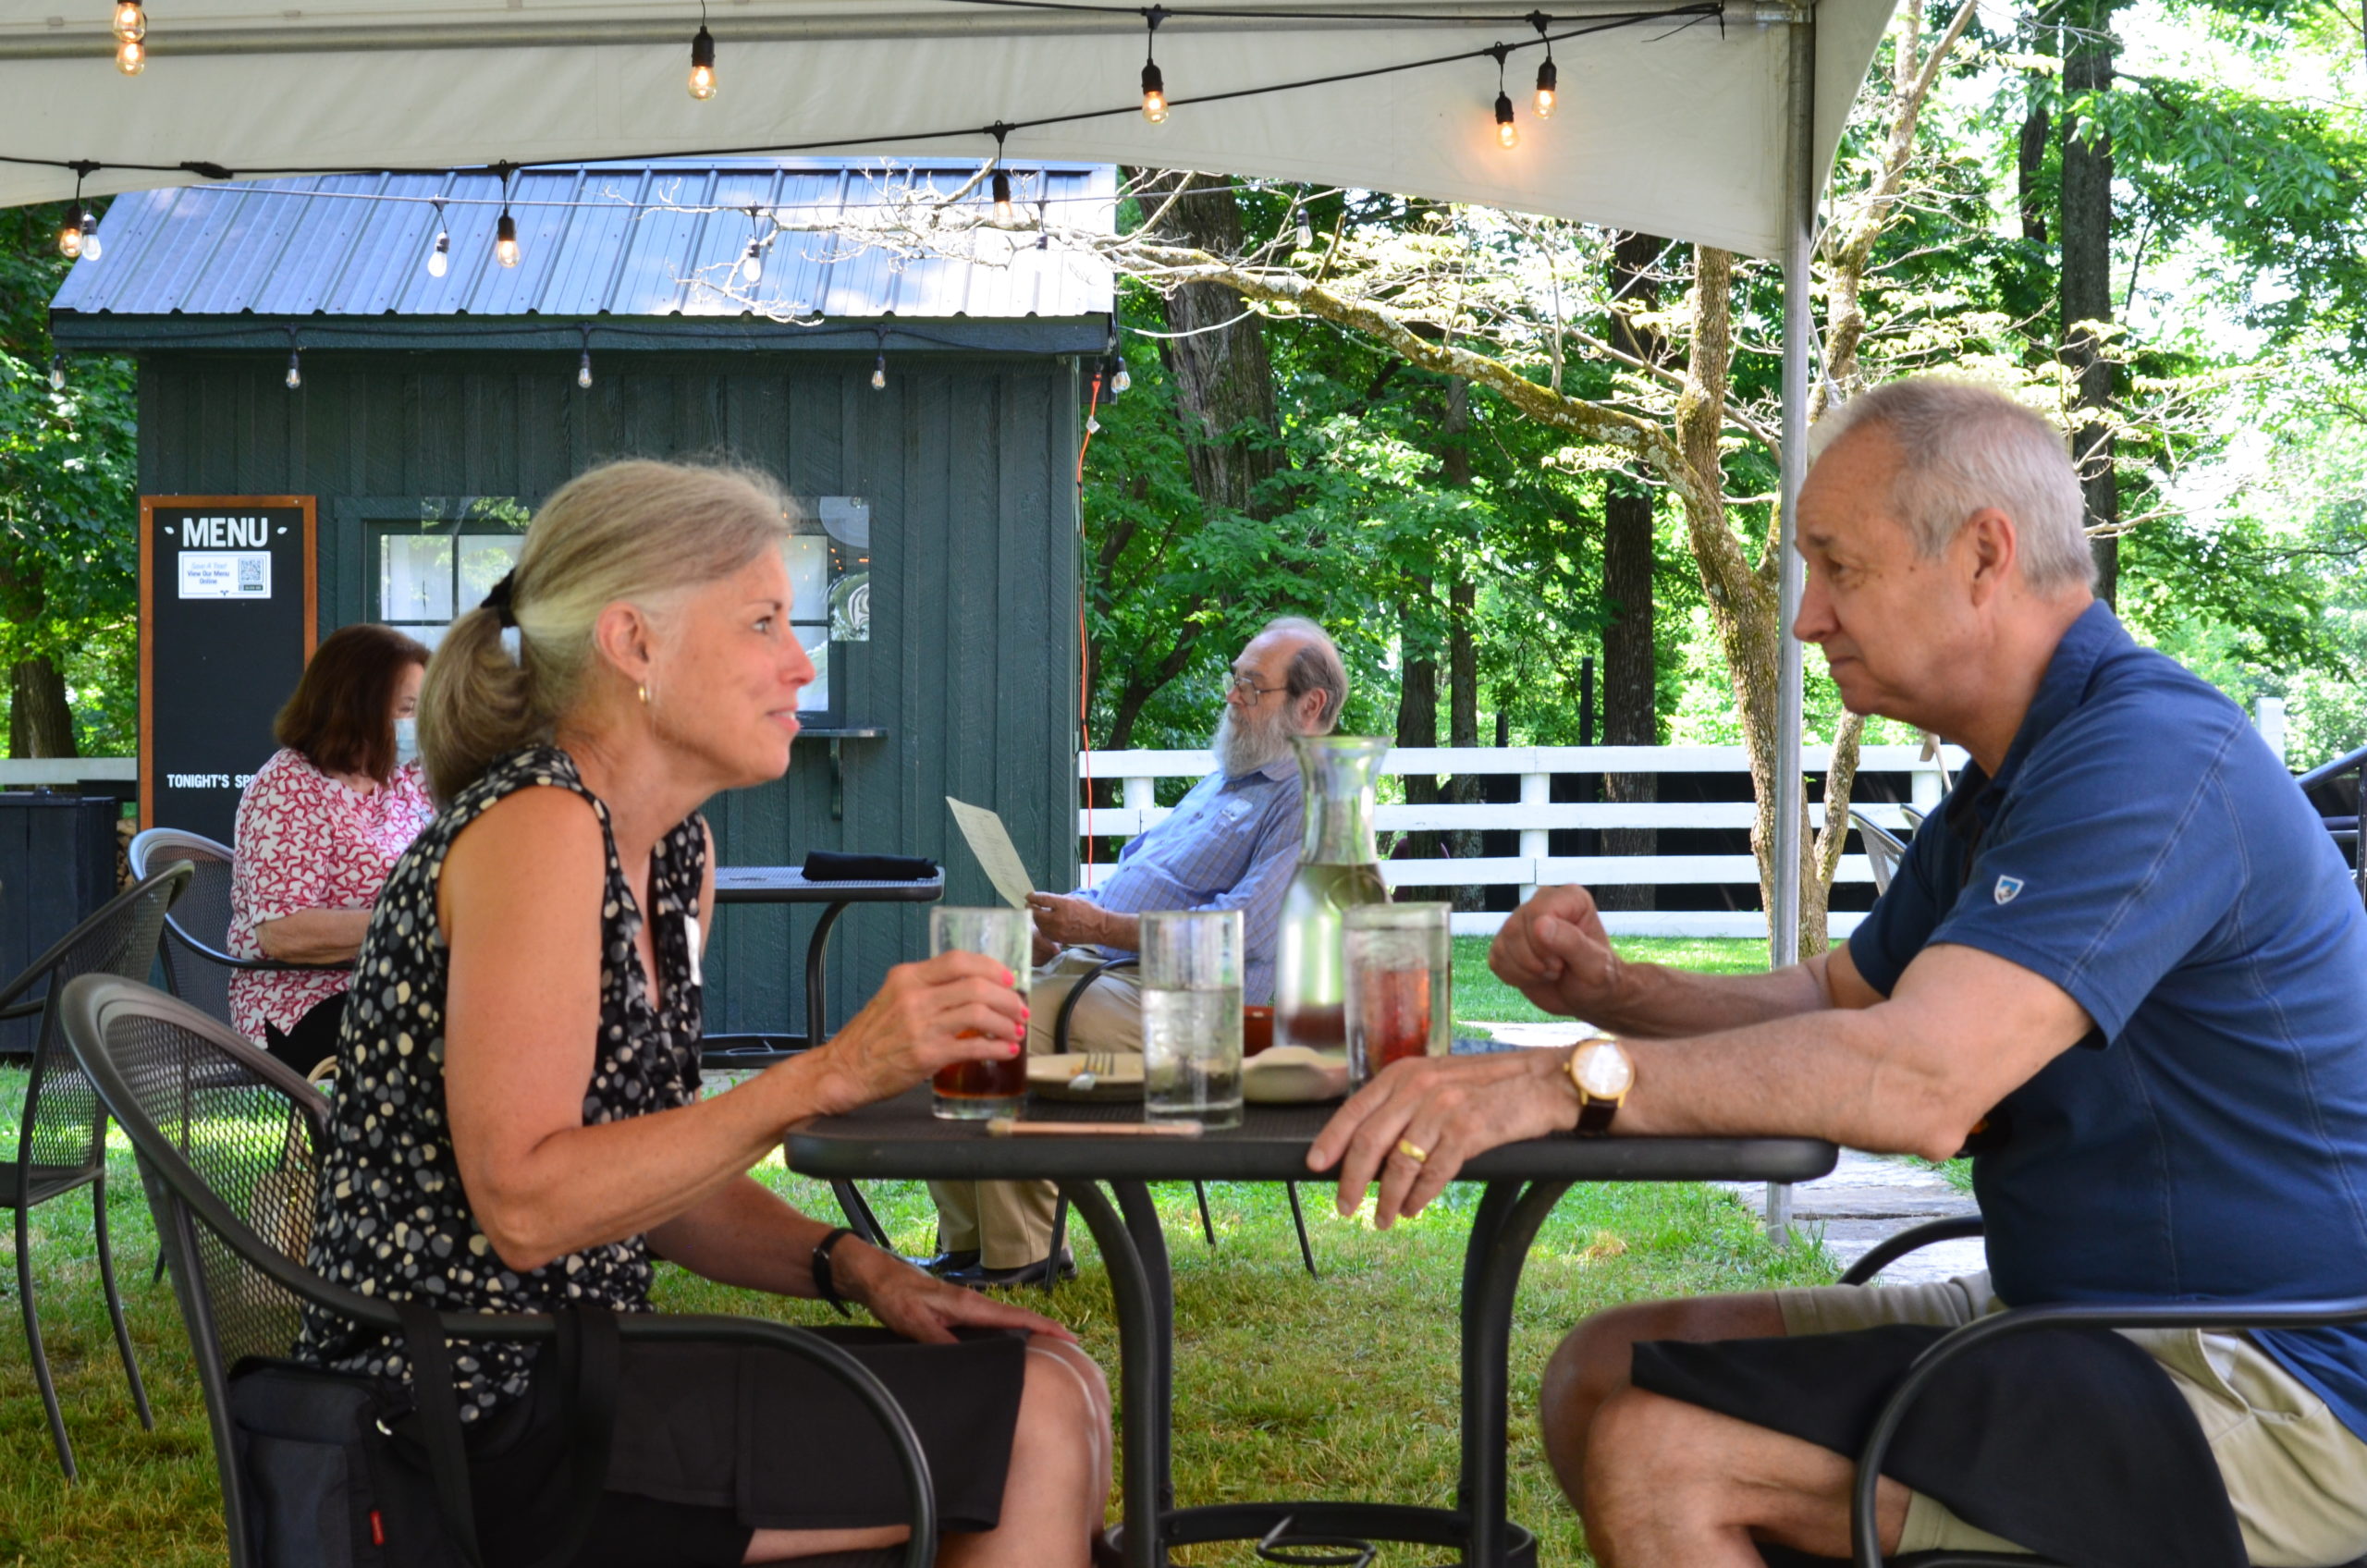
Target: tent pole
x,y
1799,239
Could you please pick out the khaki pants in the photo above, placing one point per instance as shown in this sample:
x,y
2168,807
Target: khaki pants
x,y
1010,1223
2296,1475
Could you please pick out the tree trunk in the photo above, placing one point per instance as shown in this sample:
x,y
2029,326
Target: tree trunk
x,y
39,722
2087,276
1224,381
1462,724
2029,165
1630,650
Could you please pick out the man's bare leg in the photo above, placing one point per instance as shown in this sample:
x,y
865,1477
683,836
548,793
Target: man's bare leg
x,y
1591,1364
1670,1484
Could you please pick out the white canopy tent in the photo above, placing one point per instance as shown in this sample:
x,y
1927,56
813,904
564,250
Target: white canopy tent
x,y
1712,122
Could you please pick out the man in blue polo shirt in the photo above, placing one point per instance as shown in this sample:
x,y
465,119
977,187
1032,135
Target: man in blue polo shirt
x,y
2124,964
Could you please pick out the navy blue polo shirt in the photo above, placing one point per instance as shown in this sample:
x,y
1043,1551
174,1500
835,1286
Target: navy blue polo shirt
x,y
2141,847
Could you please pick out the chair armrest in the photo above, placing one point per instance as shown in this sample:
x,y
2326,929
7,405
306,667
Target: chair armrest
x,y
1891,1248
1865,1541
28,1009
215,955
1068,1003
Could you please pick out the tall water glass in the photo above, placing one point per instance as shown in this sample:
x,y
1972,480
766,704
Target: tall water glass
x,y
974,1091
1401,974
1191,978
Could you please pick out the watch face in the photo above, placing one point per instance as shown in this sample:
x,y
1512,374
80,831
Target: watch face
x,y
1604,1071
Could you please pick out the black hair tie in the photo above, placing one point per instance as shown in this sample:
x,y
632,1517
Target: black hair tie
x,y
497,600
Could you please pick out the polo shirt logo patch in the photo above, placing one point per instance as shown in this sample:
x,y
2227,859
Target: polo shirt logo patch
x,y
2006,887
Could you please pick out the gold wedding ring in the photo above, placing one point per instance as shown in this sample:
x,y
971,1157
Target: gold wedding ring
x,y
1418,1156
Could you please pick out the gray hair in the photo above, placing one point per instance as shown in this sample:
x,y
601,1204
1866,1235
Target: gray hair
x,y
1964,446
647,532
1315,668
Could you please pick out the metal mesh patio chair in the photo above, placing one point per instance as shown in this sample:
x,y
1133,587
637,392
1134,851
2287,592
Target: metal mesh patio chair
x,y
61,1135
1865,1544
1884,849
229,1140
1200,1189
197,964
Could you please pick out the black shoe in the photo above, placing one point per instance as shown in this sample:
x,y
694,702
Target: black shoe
x,y
980,1278
946,1262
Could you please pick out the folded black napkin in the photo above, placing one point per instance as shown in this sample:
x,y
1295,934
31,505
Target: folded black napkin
x,y
831,865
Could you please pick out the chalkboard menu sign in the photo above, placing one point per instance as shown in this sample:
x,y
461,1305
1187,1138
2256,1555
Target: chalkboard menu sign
x,y
228,616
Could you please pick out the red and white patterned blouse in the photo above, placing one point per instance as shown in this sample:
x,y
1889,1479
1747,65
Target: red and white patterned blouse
x,y
306,841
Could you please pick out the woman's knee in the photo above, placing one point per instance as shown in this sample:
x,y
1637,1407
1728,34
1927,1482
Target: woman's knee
x,y
1063,1386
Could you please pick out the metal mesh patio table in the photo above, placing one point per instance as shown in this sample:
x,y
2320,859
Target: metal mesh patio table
x,y
901,1139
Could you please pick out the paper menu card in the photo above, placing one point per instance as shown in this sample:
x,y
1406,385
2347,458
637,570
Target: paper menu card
x,y
991,842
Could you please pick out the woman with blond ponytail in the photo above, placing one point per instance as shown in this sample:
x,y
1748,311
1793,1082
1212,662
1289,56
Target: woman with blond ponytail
x,y
519,1123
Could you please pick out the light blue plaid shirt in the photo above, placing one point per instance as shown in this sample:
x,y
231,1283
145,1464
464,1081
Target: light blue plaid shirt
x,y
1232,843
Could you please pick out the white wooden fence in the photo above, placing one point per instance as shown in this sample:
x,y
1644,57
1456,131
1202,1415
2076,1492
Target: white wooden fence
x,y
1535,814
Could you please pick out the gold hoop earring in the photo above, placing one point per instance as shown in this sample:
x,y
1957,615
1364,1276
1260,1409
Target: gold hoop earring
x,y
645,694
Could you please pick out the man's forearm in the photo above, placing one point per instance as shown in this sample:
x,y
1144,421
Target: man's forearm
x,y
1653,1001
1123,932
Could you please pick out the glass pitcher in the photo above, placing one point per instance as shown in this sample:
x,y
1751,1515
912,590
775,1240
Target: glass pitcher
x,y
1337,867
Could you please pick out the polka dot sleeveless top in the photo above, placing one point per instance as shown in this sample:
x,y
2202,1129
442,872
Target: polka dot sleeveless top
x,y
392,1220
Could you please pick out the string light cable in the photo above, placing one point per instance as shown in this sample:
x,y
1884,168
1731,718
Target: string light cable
x,y
1685,16
1003,215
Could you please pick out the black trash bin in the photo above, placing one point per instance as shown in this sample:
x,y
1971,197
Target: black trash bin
x,y
57,858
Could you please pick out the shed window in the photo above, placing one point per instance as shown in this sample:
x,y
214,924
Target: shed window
x,y
431,571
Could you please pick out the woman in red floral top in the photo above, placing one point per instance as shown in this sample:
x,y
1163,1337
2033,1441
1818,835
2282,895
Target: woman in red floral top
x,y
319,828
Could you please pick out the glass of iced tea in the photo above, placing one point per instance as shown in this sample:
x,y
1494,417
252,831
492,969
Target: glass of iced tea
x,y
976,1091
1400,974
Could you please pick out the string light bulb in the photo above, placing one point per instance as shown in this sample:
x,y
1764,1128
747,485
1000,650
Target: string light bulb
x,y
69,233
880,371
584,370
57,373
1154,85
1507,133
1549,82
92,250
703,61
294,369
439,255
1002,199
505,240
130,21
1119,379
131,56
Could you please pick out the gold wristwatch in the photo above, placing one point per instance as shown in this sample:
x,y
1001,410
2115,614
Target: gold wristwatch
x,y
1603,1073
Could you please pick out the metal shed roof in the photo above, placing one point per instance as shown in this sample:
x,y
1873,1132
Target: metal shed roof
x,y
650,238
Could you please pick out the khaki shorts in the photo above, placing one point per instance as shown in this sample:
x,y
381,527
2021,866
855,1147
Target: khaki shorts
x,y
2296,1475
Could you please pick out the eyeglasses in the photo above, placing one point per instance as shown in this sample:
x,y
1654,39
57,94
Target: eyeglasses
x,y
1247,685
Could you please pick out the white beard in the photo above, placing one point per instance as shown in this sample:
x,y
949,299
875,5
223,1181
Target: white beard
x,y
1244,748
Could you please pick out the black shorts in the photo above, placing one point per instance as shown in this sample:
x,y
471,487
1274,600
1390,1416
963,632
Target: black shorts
x,y
712,1443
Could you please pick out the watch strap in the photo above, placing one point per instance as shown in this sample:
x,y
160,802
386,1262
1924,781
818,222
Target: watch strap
x,y
824,1285
1594,1114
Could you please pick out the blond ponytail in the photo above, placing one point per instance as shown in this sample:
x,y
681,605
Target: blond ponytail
x,y
640,531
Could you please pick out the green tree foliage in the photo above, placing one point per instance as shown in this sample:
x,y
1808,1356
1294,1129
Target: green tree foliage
x,y
68,489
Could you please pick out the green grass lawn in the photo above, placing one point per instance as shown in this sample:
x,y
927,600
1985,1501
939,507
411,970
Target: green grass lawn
x,y
1480,998
1285,1386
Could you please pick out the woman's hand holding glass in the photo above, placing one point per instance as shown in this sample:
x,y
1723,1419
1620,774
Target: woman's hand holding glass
x,y
954,1008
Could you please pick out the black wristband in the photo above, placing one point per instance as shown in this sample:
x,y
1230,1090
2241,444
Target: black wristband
x,y
824,1286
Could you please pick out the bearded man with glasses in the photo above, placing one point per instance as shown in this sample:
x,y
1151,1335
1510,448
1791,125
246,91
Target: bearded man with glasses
x,y
1232,843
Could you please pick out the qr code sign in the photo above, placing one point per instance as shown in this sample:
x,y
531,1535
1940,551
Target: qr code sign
x,y
251,575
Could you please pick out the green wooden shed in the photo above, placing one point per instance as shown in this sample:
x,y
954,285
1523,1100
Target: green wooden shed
x,y
293,339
